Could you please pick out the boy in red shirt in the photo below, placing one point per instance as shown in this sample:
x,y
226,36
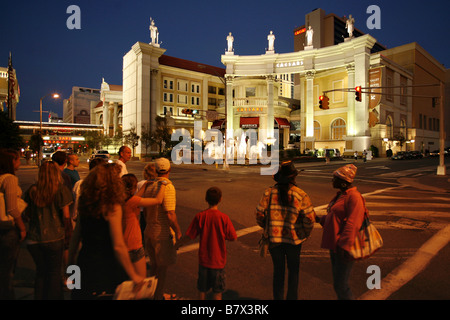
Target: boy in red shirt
x,y
214,227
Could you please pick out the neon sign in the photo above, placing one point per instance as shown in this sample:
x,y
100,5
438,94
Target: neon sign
x,y
296,33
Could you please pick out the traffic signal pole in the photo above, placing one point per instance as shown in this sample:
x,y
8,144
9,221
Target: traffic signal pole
x,y
441,169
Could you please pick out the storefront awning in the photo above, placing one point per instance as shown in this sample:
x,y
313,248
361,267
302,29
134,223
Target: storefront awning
x,y
217,124
282,123
249,123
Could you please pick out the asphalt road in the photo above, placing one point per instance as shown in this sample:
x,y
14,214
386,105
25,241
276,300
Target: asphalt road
x,y
408,203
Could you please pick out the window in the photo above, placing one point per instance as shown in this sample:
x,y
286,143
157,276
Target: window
x,y
195,88
250,92
182,85
212,101
168,84
389,83
338,129
183,99
168,109
195,101
403,90
389,128
212,89
168,97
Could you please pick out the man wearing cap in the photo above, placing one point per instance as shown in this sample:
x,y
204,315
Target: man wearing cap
x,y
160,221
345,215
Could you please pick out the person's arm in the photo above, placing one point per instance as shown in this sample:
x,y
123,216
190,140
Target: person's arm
x,y
148,202
120,248
182,241
173,222
12,208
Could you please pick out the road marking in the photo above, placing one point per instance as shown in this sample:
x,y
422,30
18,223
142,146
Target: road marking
x,y
411,268
245,231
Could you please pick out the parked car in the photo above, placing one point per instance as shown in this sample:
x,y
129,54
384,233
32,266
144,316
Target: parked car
x,y
401,155
105,152
416,155
334,153
104,156
47,152
436,153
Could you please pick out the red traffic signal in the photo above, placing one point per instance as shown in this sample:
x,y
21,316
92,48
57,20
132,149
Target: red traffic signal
x,y
358,93
323,102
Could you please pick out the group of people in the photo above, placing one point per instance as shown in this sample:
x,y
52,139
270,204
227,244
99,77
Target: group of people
x,y
108,222
290,216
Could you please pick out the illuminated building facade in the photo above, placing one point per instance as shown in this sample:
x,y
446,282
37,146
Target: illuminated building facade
x,y
155,84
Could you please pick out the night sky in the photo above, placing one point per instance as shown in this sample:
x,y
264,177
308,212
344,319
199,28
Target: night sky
x,y
49,57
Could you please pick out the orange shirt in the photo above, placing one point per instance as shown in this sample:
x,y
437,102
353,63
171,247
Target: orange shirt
x,y
130,221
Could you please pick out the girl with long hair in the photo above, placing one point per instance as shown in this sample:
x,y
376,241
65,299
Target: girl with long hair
x,y
48,213
103,259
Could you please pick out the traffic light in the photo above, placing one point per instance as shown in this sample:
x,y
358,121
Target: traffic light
x,y
323,102
358,93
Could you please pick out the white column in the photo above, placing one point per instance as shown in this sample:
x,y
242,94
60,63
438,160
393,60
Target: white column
x,y
106,118
270,106
362,108
116,117
229,106
309,103
351,101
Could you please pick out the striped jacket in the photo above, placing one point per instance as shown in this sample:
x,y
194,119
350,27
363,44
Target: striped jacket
x,y
291,224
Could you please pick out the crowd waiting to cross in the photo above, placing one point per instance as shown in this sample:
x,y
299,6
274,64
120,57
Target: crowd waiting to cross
x,y
111,225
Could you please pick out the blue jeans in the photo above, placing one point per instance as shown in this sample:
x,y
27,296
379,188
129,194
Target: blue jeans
x,y
48,258
282,253
9,251
341,266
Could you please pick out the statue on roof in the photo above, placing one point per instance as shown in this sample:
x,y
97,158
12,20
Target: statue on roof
x,y
230,40
271,39
154,34
349,24
309,36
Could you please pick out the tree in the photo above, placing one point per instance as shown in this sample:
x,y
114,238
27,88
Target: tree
x,y
36,142
162,133
400,138
10,133
117,140
131,138
147,138
93,139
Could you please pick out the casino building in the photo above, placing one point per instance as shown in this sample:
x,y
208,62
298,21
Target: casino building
x,y
281,91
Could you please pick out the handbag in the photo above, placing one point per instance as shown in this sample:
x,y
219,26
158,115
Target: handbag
x,y
265,241
367,241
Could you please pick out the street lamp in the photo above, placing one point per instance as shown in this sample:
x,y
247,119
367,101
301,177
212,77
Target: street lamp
x,y
55,96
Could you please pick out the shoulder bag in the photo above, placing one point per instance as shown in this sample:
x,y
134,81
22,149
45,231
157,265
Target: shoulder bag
x,y
367,241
